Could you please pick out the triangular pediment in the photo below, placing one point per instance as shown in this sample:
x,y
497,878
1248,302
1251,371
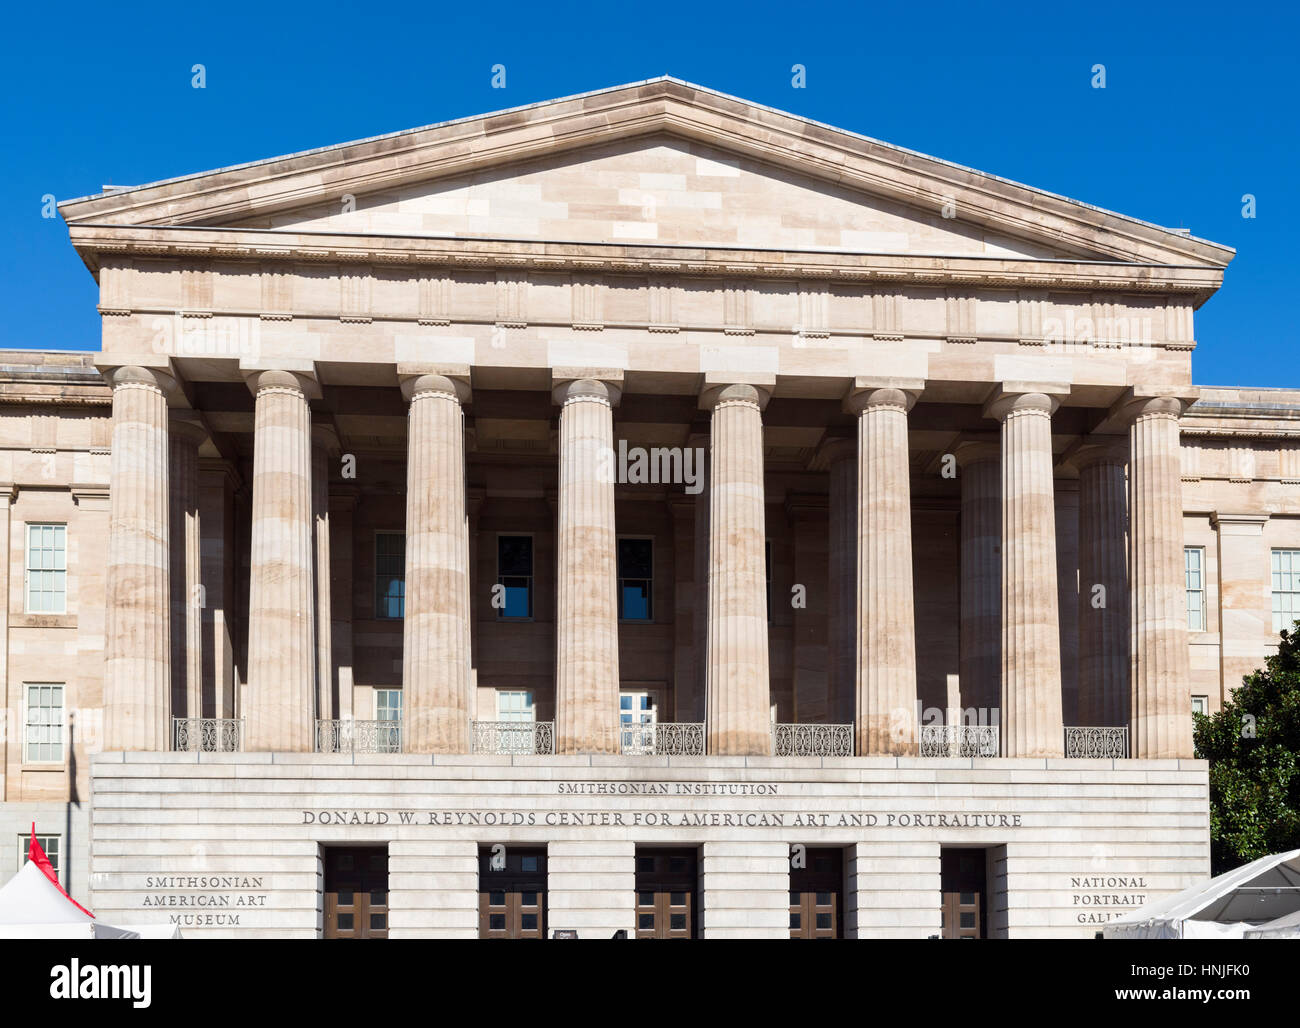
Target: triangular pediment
x,y
660,190
654,163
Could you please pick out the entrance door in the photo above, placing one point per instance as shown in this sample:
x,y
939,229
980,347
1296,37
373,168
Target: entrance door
x,y
962,877
666,906
817,896
511,893
356,892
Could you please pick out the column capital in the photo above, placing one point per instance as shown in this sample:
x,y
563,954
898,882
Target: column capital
x,y
299,377
188,426
1100,450
415,387
833,449
159,377
1238,524
868,393
1140,402
725,394
974,450
595,390
1016,398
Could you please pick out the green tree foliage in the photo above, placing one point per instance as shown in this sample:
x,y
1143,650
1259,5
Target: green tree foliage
x,y
1253,746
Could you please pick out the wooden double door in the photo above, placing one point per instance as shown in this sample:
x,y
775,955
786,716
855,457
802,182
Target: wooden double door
x,y
963,877
511,893
817,895
667,894
356,892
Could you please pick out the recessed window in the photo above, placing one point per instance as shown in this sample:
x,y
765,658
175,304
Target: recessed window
x,y
1286,588
390,575
1200,704
514,597
388,704
51,844
635,579
43,734
1194,565
515,705
47,569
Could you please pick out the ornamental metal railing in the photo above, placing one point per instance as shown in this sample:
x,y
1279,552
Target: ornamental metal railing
x,y
812,740
513,738
662,739
207,734
958,741
1099,743
349,736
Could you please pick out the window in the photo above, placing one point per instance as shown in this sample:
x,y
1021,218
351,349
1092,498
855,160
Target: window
x,y
390,574
51,844
635,579
44,735
637,712
1194,565
47,569
1200,704
515,576
515,705
1286,588
388,704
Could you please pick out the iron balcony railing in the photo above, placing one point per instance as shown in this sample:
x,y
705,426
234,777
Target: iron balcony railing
x,y
812,740
662,739
1096,742
207,734
513,738
959,741
349,736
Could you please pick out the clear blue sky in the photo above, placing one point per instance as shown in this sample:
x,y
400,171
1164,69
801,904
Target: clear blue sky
x,y
1200,107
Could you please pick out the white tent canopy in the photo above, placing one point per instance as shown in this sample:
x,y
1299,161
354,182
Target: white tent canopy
x,y
1283,928
33,907
1226,907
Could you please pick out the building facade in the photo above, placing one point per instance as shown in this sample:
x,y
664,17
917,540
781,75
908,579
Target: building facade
x,y
640,512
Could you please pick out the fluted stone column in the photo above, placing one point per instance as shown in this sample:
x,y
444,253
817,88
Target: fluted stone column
x,y
842,578
885,715
980,643
137,645
1103,586
1031,644
435,638
279,714
738,711
323,442
586,616
1160,725
188,599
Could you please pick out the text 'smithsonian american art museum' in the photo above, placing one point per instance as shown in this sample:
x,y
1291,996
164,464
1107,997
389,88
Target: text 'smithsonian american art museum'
x,y
642,512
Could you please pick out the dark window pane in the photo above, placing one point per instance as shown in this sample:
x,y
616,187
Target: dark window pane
x,y
518,598
378,897
378,921
677,922
823,920
528,864
528,922
497,922
644,921
635,558
968,920
634,601
515,555
677,899
966,899
795,898
823,899
676,864
345,922
345,897
795,919
497,898
645,863
528,899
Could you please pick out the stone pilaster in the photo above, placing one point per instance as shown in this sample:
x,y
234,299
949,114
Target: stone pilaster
x,y
586,614
842,579
137,680
885,714
1103,584
187,593
738,712
435,639
1160,725
279,713
324,445
980,640
1031,643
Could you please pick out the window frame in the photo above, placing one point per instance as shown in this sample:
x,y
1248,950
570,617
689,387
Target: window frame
x,y
28,568
1199,592
389,533
531,576
380,705
60,725
650,582
530,707
43,840
1205,702
1275,574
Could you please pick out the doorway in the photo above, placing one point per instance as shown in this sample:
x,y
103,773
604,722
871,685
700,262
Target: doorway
x,y
511,893
963,877
356,892
817,895
667,894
